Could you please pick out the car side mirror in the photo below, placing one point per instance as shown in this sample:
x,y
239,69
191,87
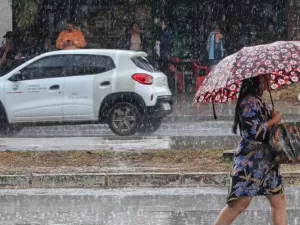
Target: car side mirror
x,y
16,77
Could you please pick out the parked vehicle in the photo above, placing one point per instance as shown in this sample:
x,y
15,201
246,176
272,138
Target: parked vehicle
x,y
117,87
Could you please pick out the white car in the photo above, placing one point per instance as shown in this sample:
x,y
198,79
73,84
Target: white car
x,y
117,87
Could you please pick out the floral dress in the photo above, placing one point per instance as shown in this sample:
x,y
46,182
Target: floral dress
x,y
253,173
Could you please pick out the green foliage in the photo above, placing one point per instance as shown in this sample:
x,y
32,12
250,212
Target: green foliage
x,y
25,12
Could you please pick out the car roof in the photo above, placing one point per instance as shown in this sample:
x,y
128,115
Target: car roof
x,y
108,52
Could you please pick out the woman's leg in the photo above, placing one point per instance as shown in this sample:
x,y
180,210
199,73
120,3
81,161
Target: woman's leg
x,y
232,210
278,209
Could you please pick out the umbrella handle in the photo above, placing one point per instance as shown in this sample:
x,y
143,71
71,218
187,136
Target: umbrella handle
x,y
214,109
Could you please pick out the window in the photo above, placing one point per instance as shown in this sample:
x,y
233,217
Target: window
x,y
49,67
91,64
143,63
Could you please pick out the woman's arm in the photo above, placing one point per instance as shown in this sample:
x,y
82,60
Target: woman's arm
x,y
80,41
255,124
276,119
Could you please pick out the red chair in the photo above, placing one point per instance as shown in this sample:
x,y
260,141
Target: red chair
x,y
177,74
200,73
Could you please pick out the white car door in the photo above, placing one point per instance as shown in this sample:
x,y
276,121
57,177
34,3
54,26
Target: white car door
x,y
37,93
90,80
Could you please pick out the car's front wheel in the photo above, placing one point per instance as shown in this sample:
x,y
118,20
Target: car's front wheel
x,y
124,119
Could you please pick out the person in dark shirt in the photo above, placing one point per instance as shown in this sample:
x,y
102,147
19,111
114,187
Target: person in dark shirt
x,y
8,50
165,46
165,41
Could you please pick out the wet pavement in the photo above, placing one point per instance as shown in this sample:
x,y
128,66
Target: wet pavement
x,y
204,128
94,137
117,144
180,135
184,206
187,119
81,143
189,127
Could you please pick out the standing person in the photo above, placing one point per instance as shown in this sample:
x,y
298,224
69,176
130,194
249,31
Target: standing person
x,y
70,38
9,50
133,39
215,47
165,41
253,172
165,44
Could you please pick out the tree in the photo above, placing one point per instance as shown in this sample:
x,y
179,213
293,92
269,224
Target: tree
x,y
25,12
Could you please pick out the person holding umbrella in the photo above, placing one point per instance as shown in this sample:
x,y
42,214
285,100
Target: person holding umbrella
x,y
245,76
252,173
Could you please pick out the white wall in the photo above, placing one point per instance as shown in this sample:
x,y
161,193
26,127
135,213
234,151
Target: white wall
x,y
5,18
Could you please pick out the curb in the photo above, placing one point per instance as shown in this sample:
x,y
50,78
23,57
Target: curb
x,y
228,155
125,180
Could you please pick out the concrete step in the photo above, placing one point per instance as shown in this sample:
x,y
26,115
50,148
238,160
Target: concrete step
x,y
228,155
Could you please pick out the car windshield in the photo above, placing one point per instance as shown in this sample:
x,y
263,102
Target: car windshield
x,y
144,63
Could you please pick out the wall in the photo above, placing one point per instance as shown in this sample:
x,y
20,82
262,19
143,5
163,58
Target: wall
x,y
102,24
104,21
294,20
247,22
5,17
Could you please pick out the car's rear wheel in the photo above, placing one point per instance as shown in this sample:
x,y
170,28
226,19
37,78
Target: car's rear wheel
x,y
150,126
124,119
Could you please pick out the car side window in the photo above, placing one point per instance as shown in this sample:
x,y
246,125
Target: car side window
x,y
48,67
91,64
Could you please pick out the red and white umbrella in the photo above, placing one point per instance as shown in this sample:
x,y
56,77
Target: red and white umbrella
x,y
280,59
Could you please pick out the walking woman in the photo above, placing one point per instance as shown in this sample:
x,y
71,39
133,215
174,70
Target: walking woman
x,y
253,173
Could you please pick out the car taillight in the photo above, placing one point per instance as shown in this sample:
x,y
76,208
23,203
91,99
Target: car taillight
x,y
143,78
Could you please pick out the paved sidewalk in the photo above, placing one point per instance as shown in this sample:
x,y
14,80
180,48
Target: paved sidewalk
x,y
140,144
142,206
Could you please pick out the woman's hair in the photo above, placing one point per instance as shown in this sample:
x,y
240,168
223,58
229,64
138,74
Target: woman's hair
x,y
250,87
133,23
165,21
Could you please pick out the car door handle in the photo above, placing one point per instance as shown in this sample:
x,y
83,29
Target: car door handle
x,y
105,83
54,87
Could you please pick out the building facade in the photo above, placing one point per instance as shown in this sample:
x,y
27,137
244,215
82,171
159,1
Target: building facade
x,y
294,19
6,18
104,21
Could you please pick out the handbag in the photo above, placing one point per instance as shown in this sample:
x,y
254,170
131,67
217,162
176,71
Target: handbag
x,y
284,139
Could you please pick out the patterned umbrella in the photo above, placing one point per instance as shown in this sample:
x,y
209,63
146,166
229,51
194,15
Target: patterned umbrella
x,y
280,59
